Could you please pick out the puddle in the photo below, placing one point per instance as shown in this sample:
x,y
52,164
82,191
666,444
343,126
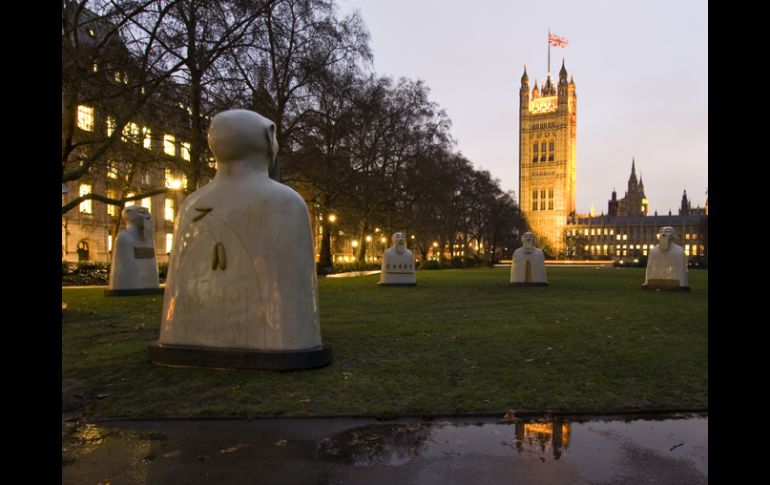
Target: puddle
x,y
597,449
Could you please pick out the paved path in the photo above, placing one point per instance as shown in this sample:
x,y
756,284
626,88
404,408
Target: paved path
x,y
405,451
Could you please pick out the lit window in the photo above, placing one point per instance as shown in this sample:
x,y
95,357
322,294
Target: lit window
x,y
617,237
593,232
146,202
85,206
112,169
111,209
687,249
109,242
585,232
94,67
169,209
612,232
169,242
687,236
131,132
147,143
625,237
184,181
92,32
644,252
625,253
702,249
110,125
86,118
213,164
186,151
169,146
694,249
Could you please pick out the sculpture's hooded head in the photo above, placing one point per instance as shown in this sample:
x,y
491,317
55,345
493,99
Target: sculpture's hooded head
x,y
241,134
139,217
136,215
528,240
399,241
666,237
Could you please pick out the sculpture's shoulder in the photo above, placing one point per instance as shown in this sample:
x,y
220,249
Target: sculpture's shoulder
x,y
389,252
287,196
676,249
125,237
521,253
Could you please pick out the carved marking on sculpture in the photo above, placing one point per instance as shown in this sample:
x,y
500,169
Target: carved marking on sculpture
x,y
144,253
218,259
528,273
204,211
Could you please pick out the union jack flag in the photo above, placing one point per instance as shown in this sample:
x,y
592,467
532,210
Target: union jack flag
x,y
557,41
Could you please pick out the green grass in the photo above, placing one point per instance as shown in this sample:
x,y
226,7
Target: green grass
x,y
462,341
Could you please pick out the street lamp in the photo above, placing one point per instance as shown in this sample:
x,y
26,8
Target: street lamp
x,y
332,218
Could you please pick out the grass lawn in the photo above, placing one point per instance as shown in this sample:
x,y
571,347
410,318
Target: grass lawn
x,y
462,341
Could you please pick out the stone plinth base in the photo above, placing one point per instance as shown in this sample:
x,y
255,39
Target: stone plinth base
x,y
665,288
135,292
526,284
396,284
222,358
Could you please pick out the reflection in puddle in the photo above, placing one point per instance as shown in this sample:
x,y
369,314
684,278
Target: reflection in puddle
x,y
595,447
376,444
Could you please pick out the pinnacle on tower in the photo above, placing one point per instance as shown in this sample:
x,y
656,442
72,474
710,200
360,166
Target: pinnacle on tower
x,y
524,77
632,178
562,73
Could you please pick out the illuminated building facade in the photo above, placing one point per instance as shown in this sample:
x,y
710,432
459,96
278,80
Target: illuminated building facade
x,y
148,155
547,134
547,189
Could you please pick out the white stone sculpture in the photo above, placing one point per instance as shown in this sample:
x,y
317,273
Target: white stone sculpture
x,y
666,264
528,264
241,289
398,264
134,269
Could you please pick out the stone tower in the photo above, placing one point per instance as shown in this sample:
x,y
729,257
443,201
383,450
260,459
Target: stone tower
x,y
547,129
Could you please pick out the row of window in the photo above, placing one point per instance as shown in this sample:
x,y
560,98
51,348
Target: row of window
x,y
624,237
540,203
133,132
86,207
542,126
542,151
597,249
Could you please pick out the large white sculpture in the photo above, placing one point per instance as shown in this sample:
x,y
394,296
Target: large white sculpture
x,y
528,264
241,289
134,269
666,264
398,264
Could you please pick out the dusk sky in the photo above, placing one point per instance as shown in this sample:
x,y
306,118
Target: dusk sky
x,y
640,70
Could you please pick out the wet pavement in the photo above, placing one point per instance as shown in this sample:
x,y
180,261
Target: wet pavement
x,y
606,450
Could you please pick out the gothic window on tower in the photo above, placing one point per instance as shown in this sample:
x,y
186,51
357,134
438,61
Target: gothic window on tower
x,y
542,152
550,199
534,151
534,200
542,200
550,150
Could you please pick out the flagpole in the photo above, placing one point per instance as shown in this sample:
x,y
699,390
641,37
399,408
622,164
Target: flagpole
x,y
549,51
